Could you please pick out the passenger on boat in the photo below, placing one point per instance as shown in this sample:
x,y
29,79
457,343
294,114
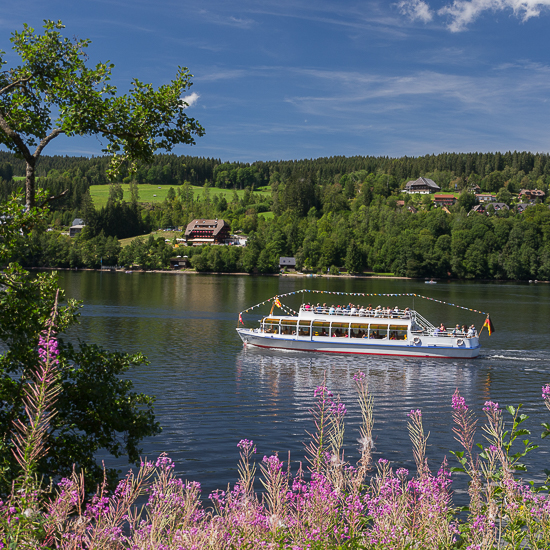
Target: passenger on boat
x,y
455,331
442,328
353,310
331,311
471,332
464,330
406,313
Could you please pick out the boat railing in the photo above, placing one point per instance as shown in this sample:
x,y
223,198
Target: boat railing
x,y
361,312
422,322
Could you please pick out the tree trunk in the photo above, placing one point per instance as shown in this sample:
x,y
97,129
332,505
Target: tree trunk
x,y
30,182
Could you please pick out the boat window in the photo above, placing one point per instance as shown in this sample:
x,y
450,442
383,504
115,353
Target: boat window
x,y
398,332
378,332
358,330
304,329
339,330
288,326
320,328
271,326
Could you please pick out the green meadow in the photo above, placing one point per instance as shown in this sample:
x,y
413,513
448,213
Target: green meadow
x,y
157,193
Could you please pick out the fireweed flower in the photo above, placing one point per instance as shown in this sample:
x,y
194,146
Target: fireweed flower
x,y
490,407
164,462
273,463
414,413
546,392
246,446
322,391
459,403
359,376
48,348
338,409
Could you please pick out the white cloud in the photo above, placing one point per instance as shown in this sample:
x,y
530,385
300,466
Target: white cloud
x,y
415,10
190,99
464,12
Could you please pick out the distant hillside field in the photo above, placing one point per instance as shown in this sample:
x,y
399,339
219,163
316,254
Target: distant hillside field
x,y
157,193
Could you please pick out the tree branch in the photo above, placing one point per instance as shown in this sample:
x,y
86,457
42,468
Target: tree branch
x,y
54,198
46,140
15,84
119,134
16,138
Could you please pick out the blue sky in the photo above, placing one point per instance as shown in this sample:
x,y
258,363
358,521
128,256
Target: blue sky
x,y
303,79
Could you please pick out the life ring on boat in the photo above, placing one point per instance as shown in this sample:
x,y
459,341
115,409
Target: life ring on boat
x,y
460,342
416,340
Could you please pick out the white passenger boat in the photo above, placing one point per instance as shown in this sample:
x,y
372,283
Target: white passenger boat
x,y
357,330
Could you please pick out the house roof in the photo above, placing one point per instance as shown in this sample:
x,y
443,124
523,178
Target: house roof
x,y
206,225
287,260
443,196
78,221
532,192
422,182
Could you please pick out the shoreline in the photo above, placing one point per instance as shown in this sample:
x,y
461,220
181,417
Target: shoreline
x,y
295,275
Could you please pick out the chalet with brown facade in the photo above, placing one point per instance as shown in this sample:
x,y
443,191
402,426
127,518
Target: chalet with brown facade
x,y
206,232
444,200
424,186
531,195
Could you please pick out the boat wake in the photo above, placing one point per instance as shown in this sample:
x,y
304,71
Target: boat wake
x,y
513,358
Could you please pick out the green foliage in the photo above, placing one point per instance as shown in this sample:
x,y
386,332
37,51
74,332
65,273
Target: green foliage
x,y
147,253
97,408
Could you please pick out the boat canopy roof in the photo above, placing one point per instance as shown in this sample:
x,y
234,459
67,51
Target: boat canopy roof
x,y
307,318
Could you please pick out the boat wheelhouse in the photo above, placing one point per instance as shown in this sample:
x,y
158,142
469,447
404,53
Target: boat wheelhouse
x,y
397,332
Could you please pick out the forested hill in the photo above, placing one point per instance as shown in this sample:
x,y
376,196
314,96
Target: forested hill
x,y
332,213
490,170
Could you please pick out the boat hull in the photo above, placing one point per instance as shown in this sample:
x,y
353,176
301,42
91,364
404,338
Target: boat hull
x,y
426,347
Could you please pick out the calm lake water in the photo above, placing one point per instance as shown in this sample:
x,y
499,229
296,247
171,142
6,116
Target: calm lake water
x,y
211,392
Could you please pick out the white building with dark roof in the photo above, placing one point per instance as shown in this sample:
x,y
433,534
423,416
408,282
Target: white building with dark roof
x,y
424,186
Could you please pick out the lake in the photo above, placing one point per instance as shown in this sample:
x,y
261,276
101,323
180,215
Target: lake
x,y
210,392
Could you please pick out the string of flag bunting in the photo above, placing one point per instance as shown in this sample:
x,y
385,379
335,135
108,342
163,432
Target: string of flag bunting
x,y
276,299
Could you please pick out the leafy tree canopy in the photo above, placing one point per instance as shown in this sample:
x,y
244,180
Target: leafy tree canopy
x,y
53,91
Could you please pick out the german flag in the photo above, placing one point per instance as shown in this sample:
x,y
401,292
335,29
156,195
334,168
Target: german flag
x,y
278,303
489,325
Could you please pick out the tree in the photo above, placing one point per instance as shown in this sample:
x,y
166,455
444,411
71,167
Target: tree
x,y
97,408
53,92
467,200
